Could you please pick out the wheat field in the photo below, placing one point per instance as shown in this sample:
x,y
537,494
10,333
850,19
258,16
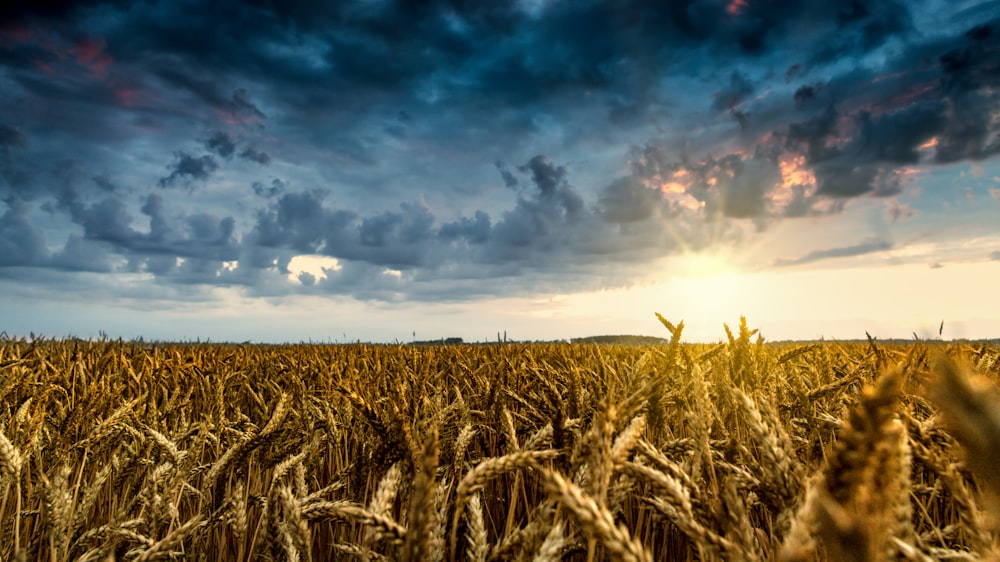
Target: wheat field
x,y
738,451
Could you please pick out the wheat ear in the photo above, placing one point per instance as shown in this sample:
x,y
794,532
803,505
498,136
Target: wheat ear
x,y
595,520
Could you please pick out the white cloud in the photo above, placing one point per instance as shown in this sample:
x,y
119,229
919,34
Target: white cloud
x,y
315,265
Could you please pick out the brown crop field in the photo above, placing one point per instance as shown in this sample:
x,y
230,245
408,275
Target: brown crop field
x,y
743,450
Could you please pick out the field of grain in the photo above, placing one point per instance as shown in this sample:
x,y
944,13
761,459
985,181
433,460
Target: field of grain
x,y
736,451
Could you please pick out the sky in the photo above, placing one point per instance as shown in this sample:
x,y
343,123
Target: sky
x,y
385,170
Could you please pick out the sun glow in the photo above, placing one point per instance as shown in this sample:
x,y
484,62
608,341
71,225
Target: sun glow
x,y
706,285
701,265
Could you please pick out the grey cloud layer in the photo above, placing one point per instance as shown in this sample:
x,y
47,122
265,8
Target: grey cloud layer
x,y
873,246
175,140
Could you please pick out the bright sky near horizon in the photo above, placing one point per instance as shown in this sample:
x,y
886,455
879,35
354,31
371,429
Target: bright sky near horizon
x,y
379,169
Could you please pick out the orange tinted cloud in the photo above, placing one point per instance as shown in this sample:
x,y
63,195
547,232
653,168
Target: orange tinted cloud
x,y
794,172
15,33
796,181
736,7
127,96
908,171
90,53
673,187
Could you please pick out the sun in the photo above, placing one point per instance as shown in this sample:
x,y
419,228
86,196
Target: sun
x,y
702,264
705,289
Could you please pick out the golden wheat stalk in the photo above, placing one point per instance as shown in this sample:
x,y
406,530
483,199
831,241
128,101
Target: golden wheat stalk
x,y
972,408
163,547
595,520
479,546
294,526
10,459
552,546
108,425
491,468
353,513
422,513
382,501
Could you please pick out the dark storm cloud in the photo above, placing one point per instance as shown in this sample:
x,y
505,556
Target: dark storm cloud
x,y
862,26
105,183
509,179
107,220
240,105
966,135
275,188
864,130
732,186
20,12
14,172
300,221
546,176
462,54
871,247
252,154
543,218
221,144
198,236
549,228
393,239
736,92
628,200
860,140
376,104
82,255
894,137
743,184
473,231
806,96
234,106
465,51
21,243
225,146
10,136
187,167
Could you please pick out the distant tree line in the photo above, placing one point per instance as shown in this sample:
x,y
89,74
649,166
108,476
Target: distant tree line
x,y
622,340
